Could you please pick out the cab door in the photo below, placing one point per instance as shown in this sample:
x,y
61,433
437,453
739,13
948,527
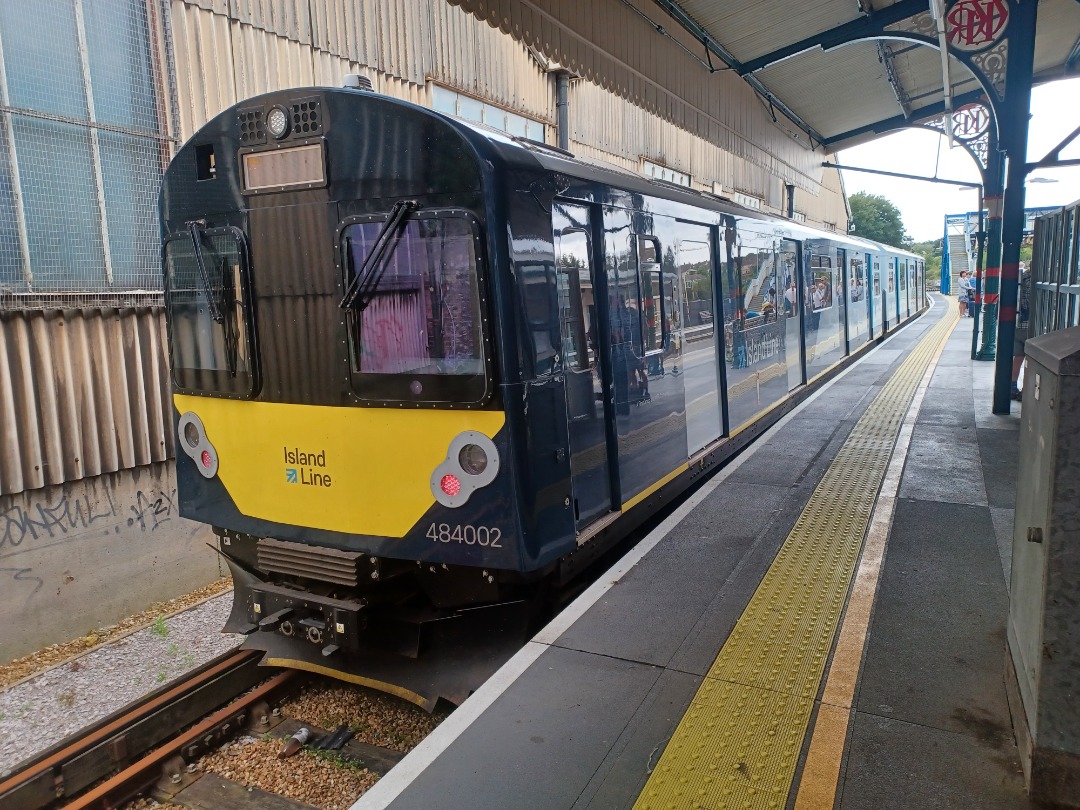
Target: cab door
x,y
585,360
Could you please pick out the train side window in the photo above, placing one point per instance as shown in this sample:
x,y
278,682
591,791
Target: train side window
x,y
576,302
538,284
857,281
654,308
821,285
208,301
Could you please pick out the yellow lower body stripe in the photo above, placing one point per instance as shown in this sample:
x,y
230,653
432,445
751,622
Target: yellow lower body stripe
x,y
739,742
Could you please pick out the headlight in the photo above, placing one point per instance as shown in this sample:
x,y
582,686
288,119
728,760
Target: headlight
x,y
191,434
473,459
472,462
277,121
194,443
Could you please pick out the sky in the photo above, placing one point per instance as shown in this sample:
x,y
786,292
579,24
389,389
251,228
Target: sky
x,y
923,206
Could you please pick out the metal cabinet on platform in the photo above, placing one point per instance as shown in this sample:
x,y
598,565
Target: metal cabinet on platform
x,y
1043,660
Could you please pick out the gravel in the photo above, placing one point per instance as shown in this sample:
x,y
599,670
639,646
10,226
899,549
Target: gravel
x,y
39,711
377,718
317,779
60,699
152,804
54,654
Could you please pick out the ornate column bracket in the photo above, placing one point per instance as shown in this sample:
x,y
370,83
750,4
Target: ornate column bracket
x,y
970,126
976,32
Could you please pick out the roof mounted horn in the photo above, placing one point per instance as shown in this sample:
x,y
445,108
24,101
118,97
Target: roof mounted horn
x,y
354,81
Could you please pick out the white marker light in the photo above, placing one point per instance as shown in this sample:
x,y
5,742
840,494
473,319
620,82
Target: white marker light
x,y
277,122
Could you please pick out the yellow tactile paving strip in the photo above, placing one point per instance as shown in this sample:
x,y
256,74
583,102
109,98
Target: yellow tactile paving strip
x,y
739,742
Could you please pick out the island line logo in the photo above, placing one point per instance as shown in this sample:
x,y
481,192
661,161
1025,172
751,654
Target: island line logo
x,y
299,468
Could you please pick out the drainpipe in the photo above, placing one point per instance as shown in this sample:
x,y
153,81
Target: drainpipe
x,y
562,108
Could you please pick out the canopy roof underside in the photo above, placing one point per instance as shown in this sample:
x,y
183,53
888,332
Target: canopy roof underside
x,y
850,93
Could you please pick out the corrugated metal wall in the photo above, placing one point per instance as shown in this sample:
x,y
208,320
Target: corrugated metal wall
x,y
82,392
614,44
225,54
227,50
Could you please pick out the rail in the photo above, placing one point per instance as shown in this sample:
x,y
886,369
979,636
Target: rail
x,y
84,759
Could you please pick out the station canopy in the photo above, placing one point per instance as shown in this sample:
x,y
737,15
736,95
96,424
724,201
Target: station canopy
x,y
833,73
851,91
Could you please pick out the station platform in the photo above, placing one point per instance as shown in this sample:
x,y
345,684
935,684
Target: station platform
x,y
821,625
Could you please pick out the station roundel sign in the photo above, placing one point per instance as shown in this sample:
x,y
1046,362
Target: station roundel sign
x,y
970,122
973,25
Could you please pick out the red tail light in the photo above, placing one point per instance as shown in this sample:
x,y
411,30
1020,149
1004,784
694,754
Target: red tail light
x,y
450,485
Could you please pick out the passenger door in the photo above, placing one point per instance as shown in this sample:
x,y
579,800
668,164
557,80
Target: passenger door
x,y
841,298
790,255
584,360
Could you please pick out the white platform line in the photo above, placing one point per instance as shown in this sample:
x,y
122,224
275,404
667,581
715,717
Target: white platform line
x,y
416,761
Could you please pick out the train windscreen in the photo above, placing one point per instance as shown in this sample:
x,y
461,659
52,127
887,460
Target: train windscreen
x,y
209,312
417,336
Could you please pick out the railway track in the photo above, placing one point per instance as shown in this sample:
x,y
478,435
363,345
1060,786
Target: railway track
x,y
116,746
164,745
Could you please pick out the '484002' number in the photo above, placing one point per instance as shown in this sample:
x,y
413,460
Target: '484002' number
x,y
466,534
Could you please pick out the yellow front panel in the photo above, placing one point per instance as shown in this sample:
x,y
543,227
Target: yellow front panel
x,y
356,470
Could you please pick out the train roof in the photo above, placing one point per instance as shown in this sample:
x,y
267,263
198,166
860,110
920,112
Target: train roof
x,y
516,150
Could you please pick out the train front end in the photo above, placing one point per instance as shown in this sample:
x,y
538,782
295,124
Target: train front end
x,y
331,306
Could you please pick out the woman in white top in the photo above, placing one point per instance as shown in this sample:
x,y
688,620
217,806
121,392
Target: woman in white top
x,y
964,292
791,297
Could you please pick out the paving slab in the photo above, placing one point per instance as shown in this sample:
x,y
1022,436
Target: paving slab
x,y
541,742
1003,534
623,774
999,452
936,652
893,765
664,594
943,465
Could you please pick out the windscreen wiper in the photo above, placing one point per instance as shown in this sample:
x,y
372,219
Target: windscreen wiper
x,y
366,281
195,229
228,327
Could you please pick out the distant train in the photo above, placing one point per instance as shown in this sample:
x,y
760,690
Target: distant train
x,y
424,371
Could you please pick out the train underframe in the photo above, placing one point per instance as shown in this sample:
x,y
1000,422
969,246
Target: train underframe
x,y
422,631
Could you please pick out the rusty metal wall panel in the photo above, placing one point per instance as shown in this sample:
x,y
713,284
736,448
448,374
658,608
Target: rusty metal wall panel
x,y
620,134
478,59
346,30
263,61
404,30
286,18
831,205
205,84
612,45
81,393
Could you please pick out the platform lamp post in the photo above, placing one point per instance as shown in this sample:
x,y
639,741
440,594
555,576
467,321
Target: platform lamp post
x,y
980,242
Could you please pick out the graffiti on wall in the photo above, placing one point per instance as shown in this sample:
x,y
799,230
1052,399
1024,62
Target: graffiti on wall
x,y
61,517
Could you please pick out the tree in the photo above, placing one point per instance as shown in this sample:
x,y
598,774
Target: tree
x,y
931,253
878,219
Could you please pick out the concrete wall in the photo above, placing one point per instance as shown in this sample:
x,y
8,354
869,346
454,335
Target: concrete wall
x,y
87,553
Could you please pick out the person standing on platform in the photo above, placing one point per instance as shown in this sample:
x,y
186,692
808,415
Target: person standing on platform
x,y
1023,308
791,297
964,292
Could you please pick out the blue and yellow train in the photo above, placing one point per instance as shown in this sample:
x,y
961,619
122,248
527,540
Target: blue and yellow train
x,y
424,371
